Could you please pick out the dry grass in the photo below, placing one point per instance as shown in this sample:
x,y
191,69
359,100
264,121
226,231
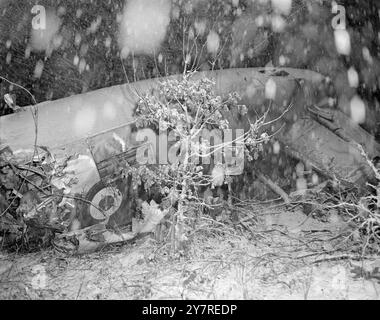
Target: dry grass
x,y
263,259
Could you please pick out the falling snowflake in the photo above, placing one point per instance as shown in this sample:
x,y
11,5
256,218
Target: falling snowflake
x,y
143,26
270,89
358,110
353,77
213,42
38,69
342,42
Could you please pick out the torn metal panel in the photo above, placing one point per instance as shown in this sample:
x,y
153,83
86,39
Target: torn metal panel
x,y
326,152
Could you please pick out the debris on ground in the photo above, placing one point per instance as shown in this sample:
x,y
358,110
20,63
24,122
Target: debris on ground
x,y
34,206
282,255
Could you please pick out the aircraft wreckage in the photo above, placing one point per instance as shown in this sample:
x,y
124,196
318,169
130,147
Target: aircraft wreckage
x,y
97,127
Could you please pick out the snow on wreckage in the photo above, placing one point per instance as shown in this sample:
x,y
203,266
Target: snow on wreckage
x,y
98,128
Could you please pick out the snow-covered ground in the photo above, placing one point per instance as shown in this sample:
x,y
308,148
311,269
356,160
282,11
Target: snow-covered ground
x,y
286,256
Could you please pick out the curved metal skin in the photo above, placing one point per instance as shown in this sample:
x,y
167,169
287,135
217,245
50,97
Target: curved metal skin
x,y
66,121
65,125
